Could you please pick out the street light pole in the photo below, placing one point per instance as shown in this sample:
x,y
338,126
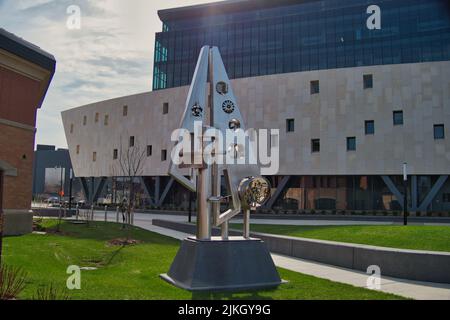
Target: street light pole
x,y
61,184
405,197
70,190
190,206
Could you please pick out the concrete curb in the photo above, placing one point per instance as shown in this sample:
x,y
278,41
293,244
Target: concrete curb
x,y
405,264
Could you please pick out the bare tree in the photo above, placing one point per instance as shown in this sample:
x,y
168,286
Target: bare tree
x,y
131,162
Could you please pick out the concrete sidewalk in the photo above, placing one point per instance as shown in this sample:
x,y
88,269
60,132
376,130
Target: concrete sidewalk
x,y
142,217
405,288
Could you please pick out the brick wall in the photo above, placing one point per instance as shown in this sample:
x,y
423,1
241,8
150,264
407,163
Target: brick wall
x,y
16,148
18,92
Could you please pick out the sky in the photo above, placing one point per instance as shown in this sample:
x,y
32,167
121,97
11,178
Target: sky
x,y
111,55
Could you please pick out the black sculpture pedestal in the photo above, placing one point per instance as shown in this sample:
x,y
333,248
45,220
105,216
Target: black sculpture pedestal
x,y
237,264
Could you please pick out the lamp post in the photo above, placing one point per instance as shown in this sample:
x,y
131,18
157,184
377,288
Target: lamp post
x,y
70,190
61,187
405,197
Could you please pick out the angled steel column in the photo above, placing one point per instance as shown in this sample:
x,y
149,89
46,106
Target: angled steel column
x,y
157,189
91,194
85,188
147,190
165,192
391,186
278,192
99,189
433,193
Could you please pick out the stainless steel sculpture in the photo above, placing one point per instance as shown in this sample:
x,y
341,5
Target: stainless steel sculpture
x,y
242,262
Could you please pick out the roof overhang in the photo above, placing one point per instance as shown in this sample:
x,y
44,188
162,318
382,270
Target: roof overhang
x,y
222,7
25,58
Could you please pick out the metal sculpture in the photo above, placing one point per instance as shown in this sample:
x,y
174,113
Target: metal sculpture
x,y
246,190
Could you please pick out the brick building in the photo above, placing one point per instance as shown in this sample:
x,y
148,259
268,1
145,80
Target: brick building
x,y
25,75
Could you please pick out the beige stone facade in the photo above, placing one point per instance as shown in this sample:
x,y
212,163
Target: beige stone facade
x,y
420,90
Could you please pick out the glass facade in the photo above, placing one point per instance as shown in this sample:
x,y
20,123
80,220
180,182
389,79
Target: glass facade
x,y
354,193
304,36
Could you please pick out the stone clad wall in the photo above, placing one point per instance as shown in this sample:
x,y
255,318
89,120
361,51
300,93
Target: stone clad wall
x,y
421,90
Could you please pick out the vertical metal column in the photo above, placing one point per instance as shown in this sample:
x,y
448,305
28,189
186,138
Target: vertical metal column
x,y
204,212
246,224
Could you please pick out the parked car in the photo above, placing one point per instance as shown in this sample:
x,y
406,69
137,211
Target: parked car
x,y
52,201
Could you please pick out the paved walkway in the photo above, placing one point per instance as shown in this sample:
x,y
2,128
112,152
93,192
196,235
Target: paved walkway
x,y
406,288
142,217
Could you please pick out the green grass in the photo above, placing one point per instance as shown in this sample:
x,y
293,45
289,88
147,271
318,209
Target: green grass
x,y
433,238
132,272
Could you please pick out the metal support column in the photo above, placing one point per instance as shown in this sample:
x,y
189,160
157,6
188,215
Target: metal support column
x,y
433,193
204,207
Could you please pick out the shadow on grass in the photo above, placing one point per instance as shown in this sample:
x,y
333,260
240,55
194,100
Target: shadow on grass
x,y
107,231
245,295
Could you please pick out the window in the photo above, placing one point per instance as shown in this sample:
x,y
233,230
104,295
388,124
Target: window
x,y
398,118
370,127
115,154
446,198
125,111
71,128
351,144
368,81
315,145
290,125
149,151
163,155
165,108
97,116
84,120
315,87
106,122
131,141
94,156
439,132
78,149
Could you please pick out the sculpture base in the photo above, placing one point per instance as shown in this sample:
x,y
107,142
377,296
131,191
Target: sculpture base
x,y
237,264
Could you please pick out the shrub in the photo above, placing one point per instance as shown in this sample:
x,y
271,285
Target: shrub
x,y
12,282
50,293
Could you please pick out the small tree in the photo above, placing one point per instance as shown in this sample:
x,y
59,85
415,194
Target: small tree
x,y
131,162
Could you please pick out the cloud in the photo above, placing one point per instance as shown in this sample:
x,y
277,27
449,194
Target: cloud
x,y
111,56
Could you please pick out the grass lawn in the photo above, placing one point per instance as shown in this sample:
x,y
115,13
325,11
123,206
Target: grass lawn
x,y
132,272
434,238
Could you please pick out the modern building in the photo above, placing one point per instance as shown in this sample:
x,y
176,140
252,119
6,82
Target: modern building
x,y
357,88
52,173
25,75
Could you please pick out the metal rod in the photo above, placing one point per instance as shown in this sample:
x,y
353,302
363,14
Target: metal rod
x,y
405,197
225,231
70,190
204,212
246,224
405,203
190,207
